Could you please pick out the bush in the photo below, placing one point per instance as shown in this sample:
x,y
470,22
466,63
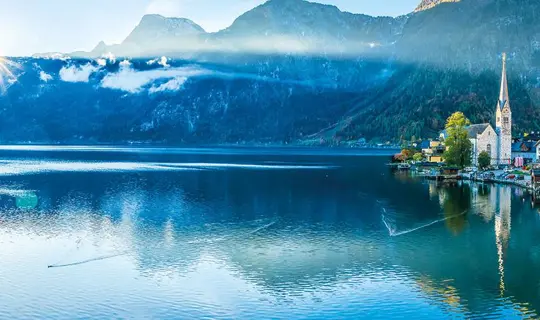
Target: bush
x,y
484,160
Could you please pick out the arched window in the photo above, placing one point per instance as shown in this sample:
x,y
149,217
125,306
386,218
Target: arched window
x,y
489,149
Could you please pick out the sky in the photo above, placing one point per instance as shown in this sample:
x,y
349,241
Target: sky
x,y
32,26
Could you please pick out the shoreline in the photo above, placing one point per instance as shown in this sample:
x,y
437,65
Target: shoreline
x,y
518,183
525,184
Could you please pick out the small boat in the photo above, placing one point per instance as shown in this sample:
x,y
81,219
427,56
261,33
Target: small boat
x,y
404,166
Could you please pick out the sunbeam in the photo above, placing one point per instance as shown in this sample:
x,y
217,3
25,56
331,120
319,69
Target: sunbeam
x,y
5,72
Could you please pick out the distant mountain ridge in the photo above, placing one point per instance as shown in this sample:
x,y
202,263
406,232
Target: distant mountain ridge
x,y
302,72
277,26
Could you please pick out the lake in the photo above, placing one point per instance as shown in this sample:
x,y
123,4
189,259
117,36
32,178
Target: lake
x,y
97,232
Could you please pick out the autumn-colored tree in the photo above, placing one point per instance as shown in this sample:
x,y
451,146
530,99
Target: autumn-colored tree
x,y
407,154
458,146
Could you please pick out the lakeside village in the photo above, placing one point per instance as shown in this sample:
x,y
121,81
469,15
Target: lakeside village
x,y
477,152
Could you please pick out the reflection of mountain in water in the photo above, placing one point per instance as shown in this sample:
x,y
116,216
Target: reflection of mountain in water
x,y
284,234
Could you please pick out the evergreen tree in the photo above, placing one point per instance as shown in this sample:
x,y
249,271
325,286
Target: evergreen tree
x,y
458,146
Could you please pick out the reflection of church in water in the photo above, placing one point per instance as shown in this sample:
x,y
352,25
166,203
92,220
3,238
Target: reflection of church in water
x,y
496,205
493,204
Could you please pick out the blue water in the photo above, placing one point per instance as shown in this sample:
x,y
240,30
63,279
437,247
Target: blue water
x,y
244,234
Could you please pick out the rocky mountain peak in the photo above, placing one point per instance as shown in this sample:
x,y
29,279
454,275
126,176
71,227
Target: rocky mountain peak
x,y
428,4
154,26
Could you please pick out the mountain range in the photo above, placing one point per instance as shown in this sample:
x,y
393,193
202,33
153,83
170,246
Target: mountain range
x,y
288,71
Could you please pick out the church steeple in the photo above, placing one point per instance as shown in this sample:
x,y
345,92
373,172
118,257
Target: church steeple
x,y
503,96
504,120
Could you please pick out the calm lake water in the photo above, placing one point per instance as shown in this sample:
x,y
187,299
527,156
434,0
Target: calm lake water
x,y
256,234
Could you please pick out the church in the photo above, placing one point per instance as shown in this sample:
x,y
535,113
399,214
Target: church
x,y
497,141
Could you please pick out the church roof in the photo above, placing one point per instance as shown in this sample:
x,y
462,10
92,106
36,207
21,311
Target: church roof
x,y
476,129
523,146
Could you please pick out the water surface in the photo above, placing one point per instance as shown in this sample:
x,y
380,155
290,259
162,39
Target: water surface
x,y
279,234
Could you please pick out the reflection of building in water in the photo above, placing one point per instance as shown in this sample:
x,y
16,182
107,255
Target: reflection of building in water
x,y
495,202
436,191
433,190
502,228
484,201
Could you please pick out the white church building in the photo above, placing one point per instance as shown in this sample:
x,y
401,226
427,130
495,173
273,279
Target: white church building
x,y
495,141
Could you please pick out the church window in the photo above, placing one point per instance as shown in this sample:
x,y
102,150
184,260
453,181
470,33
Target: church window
x,y
488,149
505,119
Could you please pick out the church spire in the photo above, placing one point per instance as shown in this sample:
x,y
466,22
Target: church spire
x,y
503,96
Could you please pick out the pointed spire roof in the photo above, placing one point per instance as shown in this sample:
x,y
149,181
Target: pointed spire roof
x,y
503,96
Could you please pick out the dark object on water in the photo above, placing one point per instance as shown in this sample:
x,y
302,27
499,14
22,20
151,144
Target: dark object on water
x,y
451,171
404,166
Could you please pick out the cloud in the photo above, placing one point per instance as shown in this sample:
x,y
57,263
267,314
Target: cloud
x,y
77,74
161,61
45,77
109,56
132,81
174,84
125,64
52,56
101,62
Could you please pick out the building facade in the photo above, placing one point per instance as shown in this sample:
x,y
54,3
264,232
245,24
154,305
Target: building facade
x,y
484,138
526,150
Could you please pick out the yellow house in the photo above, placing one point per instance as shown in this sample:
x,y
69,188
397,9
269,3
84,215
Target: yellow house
x,y
435,159
433,151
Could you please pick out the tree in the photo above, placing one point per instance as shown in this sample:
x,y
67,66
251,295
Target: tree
x,y
458,146
407,154
484,160
418,157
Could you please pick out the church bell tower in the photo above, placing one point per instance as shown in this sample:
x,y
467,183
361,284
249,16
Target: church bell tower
x,y
504,121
